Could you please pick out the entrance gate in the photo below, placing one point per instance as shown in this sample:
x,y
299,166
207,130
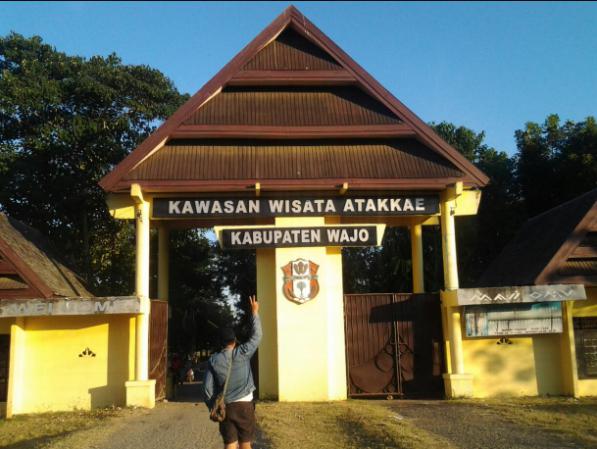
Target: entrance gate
x,y
393,345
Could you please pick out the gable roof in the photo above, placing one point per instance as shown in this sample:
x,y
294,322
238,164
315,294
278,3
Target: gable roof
x,y
557,247
29,266
291,51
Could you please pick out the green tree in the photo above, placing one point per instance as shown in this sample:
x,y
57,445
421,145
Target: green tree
x,y
196,297
555,161
65,121
480,237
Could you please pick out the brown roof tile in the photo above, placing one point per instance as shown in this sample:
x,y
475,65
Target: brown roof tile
x,y
38,254
238,160
293,106
291,51
541,251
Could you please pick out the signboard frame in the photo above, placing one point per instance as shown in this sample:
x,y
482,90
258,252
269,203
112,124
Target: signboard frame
x,y
299,237
298,206
522,319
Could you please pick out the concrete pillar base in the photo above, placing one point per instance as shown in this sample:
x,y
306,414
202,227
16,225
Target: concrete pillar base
x,y
140,393
458,385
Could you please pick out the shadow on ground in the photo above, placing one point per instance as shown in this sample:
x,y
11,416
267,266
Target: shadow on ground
x,y
471,426
189,392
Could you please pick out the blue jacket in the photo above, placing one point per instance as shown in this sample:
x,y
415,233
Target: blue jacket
x,y
241,377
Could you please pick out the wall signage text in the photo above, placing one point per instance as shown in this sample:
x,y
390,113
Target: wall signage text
x,y
76,306
529,293
299,207
246,238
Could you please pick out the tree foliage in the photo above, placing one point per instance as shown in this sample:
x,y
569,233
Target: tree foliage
x,y
555,161
195,294
65,121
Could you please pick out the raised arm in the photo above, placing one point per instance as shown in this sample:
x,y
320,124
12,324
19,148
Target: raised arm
x,y
248,349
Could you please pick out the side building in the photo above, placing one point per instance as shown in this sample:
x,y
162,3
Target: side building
x,y
553,256
61,347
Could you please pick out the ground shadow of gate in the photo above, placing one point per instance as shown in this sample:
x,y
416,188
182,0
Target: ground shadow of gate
x,y
394,345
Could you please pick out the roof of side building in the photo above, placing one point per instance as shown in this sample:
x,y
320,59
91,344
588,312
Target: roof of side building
x,y
558,246
31,268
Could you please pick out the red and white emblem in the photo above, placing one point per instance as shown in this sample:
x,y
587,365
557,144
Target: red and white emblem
x,y
300,280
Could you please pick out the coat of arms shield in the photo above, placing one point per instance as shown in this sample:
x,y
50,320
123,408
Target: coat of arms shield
x,y
300,280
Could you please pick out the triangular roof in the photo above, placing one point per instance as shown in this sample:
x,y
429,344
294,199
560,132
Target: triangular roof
x,y
301,55
29,267
558,246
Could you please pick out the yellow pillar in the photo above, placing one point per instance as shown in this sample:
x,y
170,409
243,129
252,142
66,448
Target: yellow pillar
x,y
457,383
568,348
416,249
142,290
449,242
141,391
302,355
163,262
16,368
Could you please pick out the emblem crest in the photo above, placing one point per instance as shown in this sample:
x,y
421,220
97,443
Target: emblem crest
x,y
300,280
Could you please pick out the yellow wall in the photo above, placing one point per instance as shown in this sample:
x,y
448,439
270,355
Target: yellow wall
x,y
501,370
301,357
587,308
56,378
529,366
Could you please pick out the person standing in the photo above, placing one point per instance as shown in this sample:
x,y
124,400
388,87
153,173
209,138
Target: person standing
x,y
238,429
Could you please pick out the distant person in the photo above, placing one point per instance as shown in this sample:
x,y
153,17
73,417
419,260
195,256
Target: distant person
x,y
190,375
238,429
176,366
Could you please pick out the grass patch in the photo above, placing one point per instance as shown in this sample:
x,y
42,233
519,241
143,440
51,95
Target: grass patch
x,y
574,417
350,425
36,431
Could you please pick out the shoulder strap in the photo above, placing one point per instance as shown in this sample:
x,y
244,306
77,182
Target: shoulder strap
x,y
227,376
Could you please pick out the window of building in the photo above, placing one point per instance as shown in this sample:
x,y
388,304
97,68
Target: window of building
x,y
585,336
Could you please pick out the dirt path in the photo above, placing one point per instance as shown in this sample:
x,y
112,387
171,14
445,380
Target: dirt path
x,y
171,425
183,424
469,426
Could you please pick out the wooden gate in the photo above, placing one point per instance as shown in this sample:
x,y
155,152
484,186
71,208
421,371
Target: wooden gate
x,y
393,345
158,346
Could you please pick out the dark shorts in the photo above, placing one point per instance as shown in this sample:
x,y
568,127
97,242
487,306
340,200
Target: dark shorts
x,y
239,424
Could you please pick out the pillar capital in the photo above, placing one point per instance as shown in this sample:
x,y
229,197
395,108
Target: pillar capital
x,y
137,194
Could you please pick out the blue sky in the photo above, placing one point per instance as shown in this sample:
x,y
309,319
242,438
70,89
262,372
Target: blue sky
x,y
488,66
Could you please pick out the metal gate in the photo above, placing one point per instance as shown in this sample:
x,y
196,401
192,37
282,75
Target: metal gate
x,y
158,346
4,360
393,345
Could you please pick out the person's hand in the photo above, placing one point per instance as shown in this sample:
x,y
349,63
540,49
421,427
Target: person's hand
x,y
254,305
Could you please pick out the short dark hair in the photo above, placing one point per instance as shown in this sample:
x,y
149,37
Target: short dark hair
x,y
227,335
